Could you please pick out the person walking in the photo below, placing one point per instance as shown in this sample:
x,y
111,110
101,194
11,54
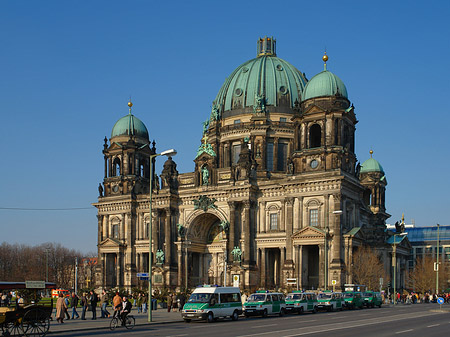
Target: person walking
x,y
169,302
182,299
61,308
117,300
144,303
73,305
104,300
93,303
66,310
84,306
139,303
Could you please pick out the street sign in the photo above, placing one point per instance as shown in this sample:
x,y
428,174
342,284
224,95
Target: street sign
x,y
142,275
236,279
440,300
333,282
35,284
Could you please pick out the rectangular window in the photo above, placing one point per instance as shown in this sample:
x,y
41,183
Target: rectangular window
x,y
115,231
282,156
314,217
236,153
269,156
273,221
237,121
282,120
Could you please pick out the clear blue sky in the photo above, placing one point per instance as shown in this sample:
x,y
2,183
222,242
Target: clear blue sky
x,y
69,67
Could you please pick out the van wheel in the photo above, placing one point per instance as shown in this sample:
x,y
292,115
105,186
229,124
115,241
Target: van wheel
x,y
235,316
314,310
210,317
264,314
187,320
300,311
379,306
281,312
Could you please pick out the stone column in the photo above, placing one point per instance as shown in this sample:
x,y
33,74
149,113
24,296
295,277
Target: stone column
x,y
246,232
231,239
289,204
275,154
100,228
336,259
322,265
179,266
263,267
167,233
262,217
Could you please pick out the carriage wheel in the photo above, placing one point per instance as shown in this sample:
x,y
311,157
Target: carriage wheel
x,y
35,323
12,329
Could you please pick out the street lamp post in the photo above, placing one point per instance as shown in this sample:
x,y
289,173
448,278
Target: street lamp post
x,y
437,262
395,264
168,153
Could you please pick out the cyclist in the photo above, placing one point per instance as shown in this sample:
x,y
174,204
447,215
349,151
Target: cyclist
x,y
124,308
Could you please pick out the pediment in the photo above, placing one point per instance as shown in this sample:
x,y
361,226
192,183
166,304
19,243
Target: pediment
x,y
110,243
309,233
314,109
355,233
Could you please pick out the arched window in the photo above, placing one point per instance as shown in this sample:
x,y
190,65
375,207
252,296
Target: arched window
x,y
116,167
315,136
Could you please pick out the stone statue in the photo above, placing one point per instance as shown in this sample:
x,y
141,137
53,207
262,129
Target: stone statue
x,y
205,175
205,126
225,225
215,113
181,230
237,253
290,166
159,256
100,190
260,103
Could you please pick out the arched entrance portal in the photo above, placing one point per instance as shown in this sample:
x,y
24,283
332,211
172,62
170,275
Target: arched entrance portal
x,y
206,250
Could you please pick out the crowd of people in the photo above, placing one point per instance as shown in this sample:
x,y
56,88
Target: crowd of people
x,y
414,298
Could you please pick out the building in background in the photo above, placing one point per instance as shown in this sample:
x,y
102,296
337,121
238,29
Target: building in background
x,y
276,192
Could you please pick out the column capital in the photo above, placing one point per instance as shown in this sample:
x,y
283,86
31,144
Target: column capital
x,y
289,201
232,204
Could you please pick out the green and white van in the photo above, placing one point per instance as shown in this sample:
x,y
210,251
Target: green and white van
x,y
353,299
265,303
329,301
212,302
300,302
372,299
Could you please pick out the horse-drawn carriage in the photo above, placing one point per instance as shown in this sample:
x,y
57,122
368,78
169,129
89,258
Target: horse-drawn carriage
x,y
31,319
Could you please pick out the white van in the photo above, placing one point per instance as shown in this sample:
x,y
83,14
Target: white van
x,y
211,302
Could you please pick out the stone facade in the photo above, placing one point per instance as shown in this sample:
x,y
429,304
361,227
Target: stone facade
x,y
276,193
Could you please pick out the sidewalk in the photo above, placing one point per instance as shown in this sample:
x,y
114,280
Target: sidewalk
x,y
160,316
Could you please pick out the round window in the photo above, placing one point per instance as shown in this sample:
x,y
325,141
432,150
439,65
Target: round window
x,y
238,92
283,90
279,67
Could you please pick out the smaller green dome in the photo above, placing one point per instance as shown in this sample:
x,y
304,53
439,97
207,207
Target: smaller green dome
x,y
371,165
129,125
323,84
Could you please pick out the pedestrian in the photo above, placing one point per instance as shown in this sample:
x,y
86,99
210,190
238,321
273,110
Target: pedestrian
x,y
144,303
117,300
182,299
244,298
169,302
66,310
139,303
104,300
19,301
84,306
175,302
61,307
73,305
93,304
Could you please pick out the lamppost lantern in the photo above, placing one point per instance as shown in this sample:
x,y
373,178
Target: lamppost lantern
x,y
168,153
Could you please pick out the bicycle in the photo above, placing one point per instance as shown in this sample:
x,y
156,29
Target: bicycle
x,y
117,321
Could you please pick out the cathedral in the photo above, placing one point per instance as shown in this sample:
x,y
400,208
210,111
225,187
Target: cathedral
x,y
277,195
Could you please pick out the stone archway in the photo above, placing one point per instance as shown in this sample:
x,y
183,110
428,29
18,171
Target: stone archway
x,y
206,249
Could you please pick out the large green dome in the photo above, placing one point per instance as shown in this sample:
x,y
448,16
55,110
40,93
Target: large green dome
x,y
129,125
325,84
371,165
267,75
